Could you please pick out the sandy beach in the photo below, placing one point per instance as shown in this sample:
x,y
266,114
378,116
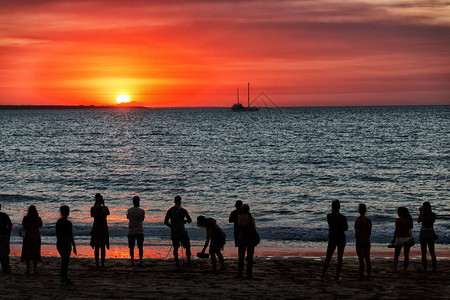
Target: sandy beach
x,y
282,278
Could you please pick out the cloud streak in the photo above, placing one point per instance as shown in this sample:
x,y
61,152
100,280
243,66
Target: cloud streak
x,y
196,52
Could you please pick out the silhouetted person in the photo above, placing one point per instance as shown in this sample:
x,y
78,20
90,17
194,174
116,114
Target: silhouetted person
x,y
99,232
5,235
136,216
234,219
363,231
427,234
248,240
337,225
402,235
64,242
178,216
217,238
31,247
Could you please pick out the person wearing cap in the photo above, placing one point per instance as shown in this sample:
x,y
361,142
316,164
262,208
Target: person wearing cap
x,y
234,219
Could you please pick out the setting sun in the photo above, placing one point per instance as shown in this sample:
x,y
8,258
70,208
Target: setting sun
x,y
123,99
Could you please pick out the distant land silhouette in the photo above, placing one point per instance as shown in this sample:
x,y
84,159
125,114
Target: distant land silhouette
x,y
23,107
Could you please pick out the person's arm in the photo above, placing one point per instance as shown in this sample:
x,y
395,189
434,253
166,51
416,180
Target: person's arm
x,y
232,217
143,215
72,239
356,228
127,215
92,212
370,228
40,223
208,237
166,219
188,218
107,210
9,224
345,223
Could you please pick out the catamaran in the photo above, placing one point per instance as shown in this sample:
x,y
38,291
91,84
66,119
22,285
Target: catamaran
x,y
239,107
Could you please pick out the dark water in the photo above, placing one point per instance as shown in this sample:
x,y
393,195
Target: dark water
x,y
288,164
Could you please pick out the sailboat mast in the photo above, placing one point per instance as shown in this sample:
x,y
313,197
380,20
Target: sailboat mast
x,y
238,95
248,94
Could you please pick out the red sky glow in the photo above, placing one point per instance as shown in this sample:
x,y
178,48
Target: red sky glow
x,y
196,53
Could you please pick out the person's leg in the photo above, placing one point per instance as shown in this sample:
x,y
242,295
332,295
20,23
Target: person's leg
x,y
330,251
28,265
250,252
398,250
221,260
35,263
188,254
340,260
175,254
423,249
96,254
241,251
132,256
64,267
212,254
433,255
406,254
140,244
4,258
360,253
368,262
103,253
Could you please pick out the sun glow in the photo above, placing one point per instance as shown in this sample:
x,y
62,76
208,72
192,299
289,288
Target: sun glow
x,y
123,99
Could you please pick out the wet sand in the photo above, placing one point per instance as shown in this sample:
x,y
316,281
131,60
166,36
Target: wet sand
x,y
275,278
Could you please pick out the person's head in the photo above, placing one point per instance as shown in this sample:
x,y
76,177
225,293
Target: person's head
x,y
427,208
32,212
245,209
403,212
201,221
65,210
136,201
99,199
238,204
362,209
177,200
335,206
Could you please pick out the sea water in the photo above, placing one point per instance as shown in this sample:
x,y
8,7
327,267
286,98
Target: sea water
x,y
288,164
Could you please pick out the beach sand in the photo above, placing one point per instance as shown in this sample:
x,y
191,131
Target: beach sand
x,y
275,278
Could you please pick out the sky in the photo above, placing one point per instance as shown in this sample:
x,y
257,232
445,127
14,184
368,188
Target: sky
x,y
197,53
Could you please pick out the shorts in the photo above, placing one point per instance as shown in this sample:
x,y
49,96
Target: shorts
x,y
136,237
363,243
183,239
427,236
402,241
337,242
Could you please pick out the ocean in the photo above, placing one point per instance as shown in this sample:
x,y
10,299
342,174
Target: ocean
x,y
288,164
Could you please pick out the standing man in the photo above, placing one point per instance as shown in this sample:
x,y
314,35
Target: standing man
x,y
136,215
178,216
234,219
5,234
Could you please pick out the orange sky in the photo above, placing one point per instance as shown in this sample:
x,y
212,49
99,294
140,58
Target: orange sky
x,y
196,53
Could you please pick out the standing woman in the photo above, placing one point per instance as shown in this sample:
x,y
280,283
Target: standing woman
x,y
64,242
248,240
363,231
427,234
99,232
403,226
337,226
31,247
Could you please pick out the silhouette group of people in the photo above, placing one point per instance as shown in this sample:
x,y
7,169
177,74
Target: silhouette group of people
x,y
246,237
403,238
